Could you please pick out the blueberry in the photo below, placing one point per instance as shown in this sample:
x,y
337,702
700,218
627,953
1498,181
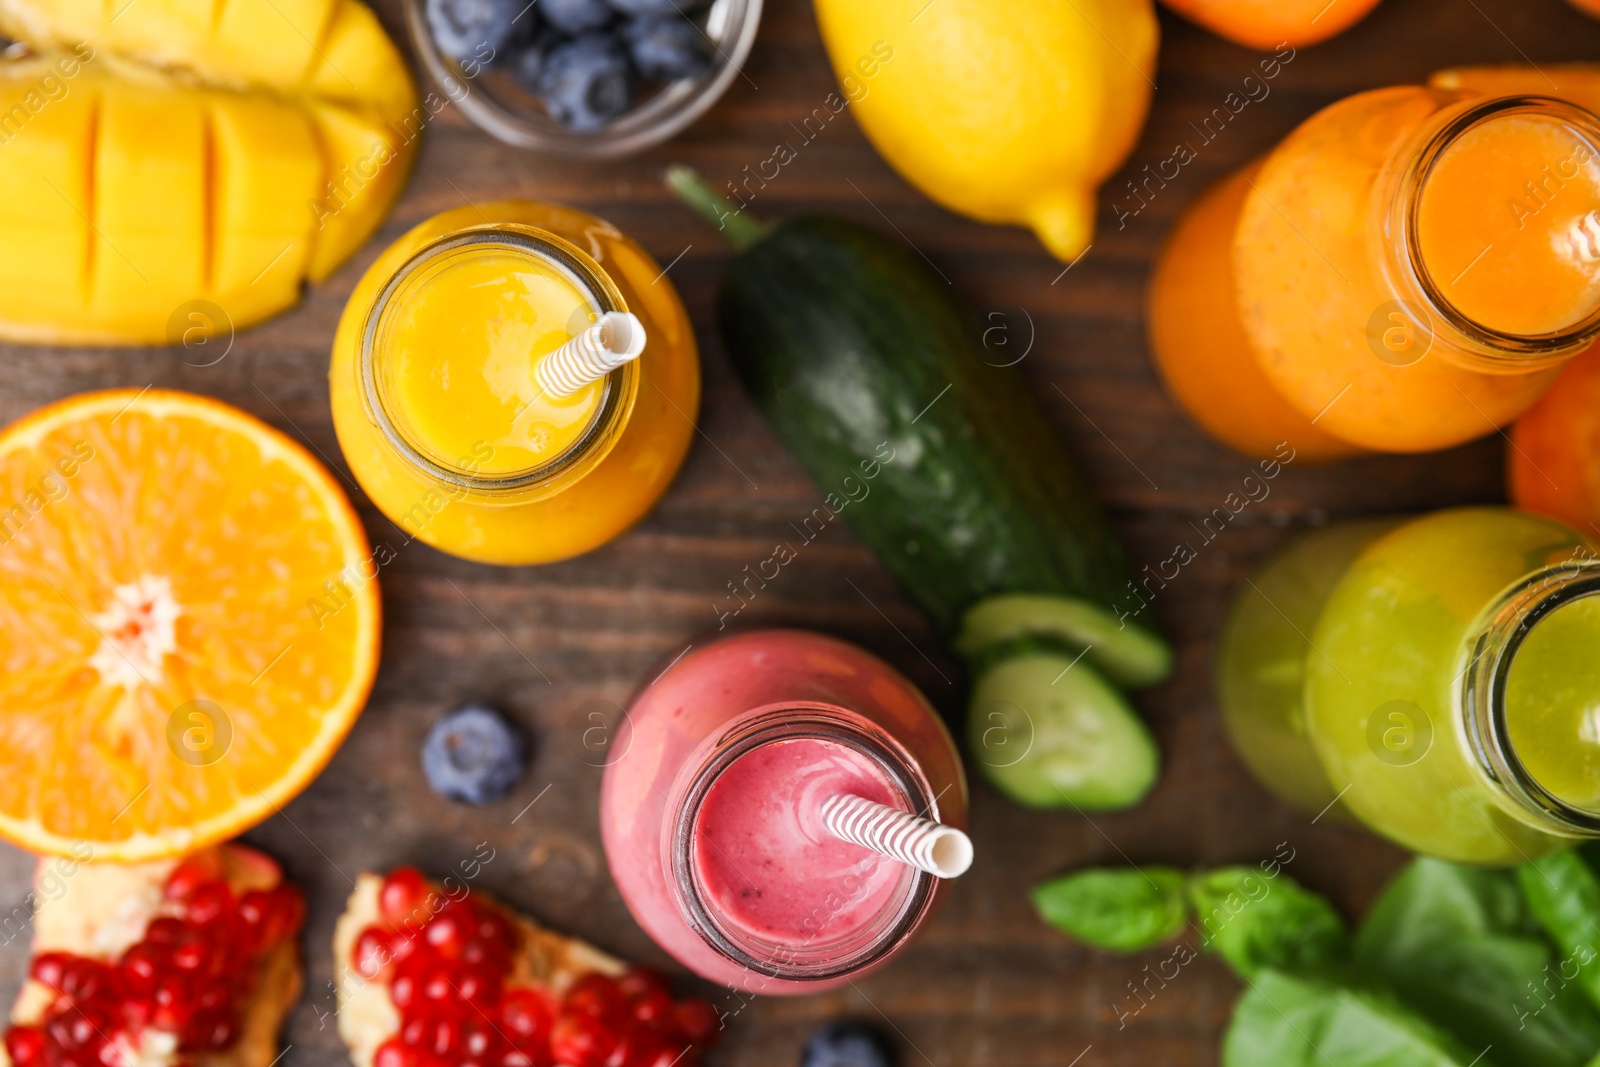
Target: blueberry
x,y
576,16
666,48
845,1045
473,754
475,29
529,64
657,8
586,82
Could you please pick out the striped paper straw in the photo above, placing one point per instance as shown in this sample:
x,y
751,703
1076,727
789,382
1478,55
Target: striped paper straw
x,y
615,339
942,851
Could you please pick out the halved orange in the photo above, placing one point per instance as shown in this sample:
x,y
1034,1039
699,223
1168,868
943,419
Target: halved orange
x,y
189,624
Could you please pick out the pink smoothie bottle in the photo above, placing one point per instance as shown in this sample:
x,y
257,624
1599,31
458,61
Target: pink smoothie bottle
x,y
711,809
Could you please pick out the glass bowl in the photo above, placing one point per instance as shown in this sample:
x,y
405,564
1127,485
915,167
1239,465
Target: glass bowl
x,y
493,100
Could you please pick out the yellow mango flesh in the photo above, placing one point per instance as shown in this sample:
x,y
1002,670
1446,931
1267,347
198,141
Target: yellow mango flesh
x,y
162,152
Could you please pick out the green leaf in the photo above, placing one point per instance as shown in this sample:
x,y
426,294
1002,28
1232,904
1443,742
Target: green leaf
x,y
1124,910
1254,921
1432,901
1563,893
1288,1021
1460,947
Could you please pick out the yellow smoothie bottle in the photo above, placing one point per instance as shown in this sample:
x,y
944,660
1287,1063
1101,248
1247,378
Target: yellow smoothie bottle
x,y
444,418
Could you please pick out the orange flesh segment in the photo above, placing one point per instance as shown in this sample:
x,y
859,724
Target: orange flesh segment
x,y
159,549
1509,225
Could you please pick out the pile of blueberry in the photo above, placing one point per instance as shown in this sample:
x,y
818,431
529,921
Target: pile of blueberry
x,y
584,59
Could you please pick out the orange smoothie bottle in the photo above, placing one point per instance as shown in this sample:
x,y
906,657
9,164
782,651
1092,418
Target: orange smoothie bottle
x,y
1407,271
438,409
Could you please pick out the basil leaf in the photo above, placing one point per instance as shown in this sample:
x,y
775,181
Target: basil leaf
x,y
1289,1021
1124,910
1254,921
1564,895
1454,944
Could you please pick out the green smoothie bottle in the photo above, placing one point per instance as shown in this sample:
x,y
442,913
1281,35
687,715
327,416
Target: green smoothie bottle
x,y
1438,680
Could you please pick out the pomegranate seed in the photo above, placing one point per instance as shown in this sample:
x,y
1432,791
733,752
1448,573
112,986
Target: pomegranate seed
x,y
443,1037
495,929
447,934
140,965
653,1008
638,981
440,985
496,957
477,1040
49,969
185,976
209,903
372,955
191,874
84,980
581,1040
138,1012
595,994
26,1046
287,913
524,1016
394,1053
403,991
190,956
478,986
514,1058
697,1021
644,1051
404,896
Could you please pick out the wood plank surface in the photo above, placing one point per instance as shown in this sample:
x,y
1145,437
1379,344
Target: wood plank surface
x,y
986,983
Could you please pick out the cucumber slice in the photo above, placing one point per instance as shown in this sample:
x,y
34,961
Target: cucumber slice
x,y
1048,731
1130,656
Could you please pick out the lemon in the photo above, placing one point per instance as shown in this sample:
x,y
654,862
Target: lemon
x,y
1007,111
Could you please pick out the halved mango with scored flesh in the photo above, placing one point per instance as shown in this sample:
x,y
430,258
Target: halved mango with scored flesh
x,y
163,152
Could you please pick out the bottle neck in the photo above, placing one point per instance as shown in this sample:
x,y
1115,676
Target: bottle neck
x,y
472,474
1497,640
815,952
1419,178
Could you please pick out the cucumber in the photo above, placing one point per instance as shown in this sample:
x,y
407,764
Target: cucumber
x,y
871,373
1130,657
1048,732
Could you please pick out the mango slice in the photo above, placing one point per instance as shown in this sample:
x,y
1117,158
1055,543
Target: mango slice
x,y
163,152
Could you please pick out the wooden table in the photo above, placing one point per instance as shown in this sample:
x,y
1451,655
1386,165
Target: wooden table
x,y
986,983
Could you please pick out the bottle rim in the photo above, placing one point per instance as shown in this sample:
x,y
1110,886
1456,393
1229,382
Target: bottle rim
x,y
1488,348
1499,635
618,390
819,958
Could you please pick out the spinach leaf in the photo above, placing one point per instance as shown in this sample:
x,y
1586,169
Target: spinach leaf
x,y
1459,946
1124,910
1563,893
1288,1021
1254,921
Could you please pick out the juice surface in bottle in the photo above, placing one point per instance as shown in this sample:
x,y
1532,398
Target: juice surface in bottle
x,y
1448,685
437,408
1409,269
710,809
